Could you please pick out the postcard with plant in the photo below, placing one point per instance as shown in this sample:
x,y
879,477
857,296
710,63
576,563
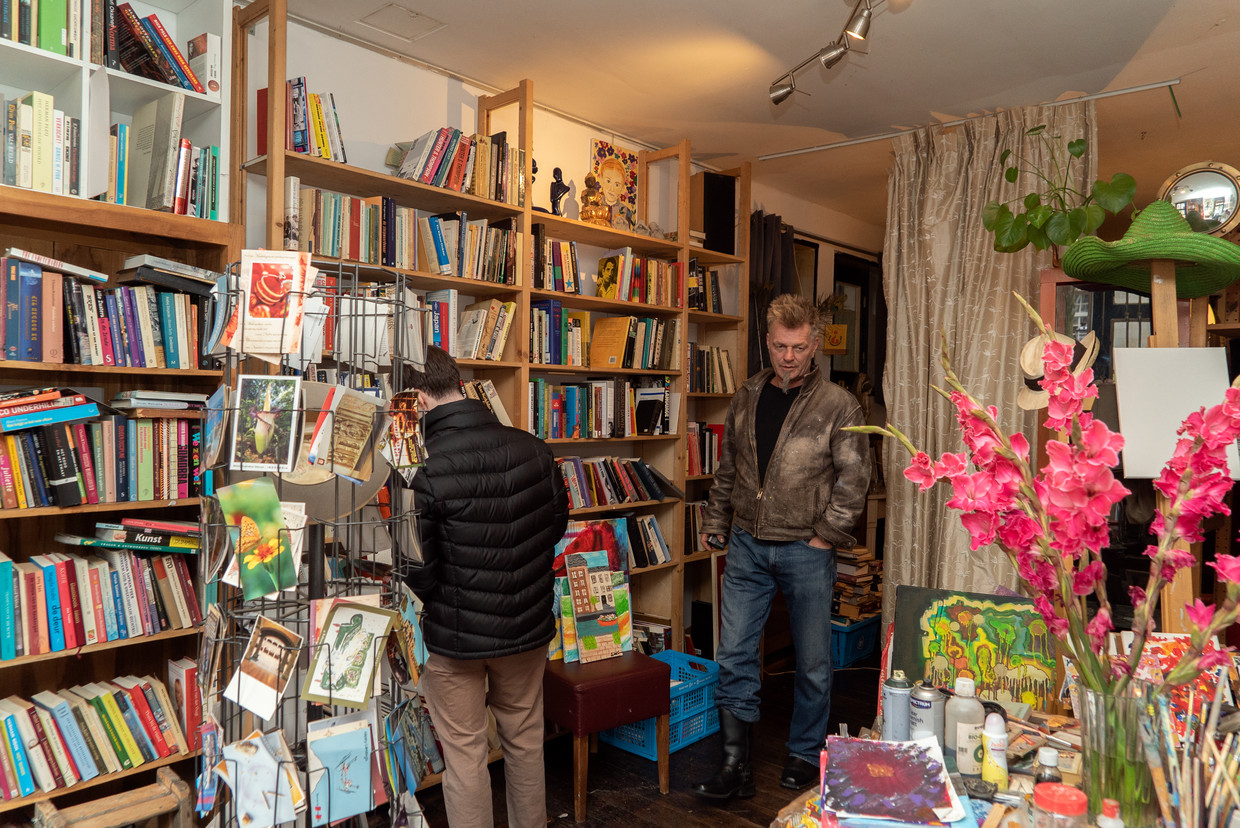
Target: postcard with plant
x,y
263,549
265,425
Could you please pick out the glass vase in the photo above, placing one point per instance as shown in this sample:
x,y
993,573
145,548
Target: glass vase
x,y
1113,764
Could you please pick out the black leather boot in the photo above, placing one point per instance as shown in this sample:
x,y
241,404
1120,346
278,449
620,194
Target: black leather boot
x,y
735,774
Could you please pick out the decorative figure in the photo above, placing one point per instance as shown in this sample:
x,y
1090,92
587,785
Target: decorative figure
x,y
593,210
558,190
533,176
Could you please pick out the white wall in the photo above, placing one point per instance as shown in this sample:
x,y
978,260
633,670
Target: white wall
x,y
382,100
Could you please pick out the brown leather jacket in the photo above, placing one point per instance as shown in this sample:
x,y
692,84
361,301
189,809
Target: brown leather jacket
x,y
818,476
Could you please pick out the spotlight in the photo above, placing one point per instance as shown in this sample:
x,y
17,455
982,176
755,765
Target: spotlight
x,y
833,53
781,89
859,25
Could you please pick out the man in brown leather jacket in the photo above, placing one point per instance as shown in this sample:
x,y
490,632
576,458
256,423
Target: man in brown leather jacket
x,y
789,488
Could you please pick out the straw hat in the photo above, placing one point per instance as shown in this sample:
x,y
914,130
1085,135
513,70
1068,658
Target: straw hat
x,y
1031,395
1204,264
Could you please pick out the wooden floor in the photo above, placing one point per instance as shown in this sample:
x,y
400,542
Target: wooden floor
x,y
624,788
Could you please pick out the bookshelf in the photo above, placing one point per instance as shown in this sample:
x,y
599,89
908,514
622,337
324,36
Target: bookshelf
x,y
101,236
99,96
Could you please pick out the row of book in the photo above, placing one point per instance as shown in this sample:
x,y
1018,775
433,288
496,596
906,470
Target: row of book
x,y
311,123
117,459
122,39
484,328
42,145
58,601
620,275
651,637
702,289
633,342
51,317
695,516
192,189
710,370
484,391
452,244
609,481
55,739
703,448
601,408
483,165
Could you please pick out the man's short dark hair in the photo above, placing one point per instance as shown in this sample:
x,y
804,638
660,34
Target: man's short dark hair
x,y
440,376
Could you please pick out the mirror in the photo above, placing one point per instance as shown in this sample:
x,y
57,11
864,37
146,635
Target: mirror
x,y
1207,194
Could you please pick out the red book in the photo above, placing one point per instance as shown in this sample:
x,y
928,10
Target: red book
x,y
133,24
75,599
68,603
76,399
187,587
172,526
42,736
432,163
86,461
456,175
355,227
176,53
7,494
261,117
139,588
133,688
24,398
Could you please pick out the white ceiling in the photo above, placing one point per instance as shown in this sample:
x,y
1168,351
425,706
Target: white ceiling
x,y
658,71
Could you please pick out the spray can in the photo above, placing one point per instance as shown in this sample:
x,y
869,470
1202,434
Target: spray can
x,y
896,690
925,711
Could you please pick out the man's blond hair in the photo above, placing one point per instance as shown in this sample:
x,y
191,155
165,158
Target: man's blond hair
x,y
792,310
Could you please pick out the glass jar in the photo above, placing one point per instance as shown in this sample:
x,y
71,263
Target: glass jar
x,y
1058,806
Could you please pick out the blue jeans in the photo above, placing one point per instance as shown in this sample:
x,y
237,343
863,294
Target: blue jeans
x,y
806,575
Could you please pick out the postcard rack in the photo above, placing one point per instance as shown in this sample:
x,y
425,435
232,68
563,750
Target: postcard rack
x,y
309,516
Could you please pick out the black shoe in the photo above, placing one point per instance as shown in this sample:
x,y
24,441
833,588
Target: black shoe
x,y
735,775
798,774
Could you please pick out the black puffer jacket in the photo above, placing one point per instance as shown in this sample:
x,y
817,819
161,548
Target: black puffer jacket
x,y
493,506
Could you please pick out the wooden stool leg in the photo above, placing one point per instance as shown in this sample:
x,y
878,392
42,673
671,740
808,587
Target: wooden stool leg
x,y
581,759
663,739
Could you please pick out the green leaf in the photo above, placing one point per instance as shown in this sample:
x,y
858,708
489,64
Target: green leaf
x,y
1011,174
1013,234
1038,238
1116,194
1077,148
1004,156
1094,216
991,213
1076,222
1037,130
1059,229
1032,200
1039,215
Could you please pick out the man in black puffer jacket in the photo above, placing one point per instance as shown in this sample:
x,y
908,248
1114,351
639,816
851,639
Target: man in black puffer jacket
x,y
492,506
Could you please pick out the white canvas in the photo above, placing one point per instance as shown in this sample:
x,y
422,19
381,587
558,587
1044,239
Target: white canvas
x,y
1156,388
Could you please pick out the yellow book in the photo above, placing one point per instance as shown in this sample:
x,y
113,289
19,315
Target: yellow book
x,y
118,722
42,139
609,341
578,344
322,147
19,484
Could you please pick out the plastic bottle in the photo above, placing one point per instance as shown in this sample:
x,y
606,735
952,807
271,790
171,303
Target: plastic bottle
x,y
1058,806
1047,769
1109,818
962,727
994,751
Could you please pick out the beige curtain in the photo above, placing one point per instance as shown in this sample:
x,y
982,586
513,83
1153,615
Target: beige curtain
x,y
941,275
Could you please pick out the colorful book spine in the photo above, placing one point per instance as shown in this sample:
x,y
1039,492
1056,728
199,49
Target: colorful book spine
x,y
18,752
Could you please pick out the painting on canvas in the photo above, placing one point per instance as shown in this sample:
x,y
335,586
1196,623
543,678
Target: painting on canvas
x,y
616,171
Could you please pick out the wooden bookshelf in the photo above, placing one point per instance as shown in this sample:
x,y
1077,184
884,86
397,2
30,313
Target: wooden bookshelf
x,y
78,652
599,510
86,508
104,370
101,779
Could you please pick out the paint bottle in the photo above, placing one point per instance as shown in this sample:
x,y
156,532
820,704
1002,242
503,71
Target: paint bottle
x,y
963,716
896,691
1047,769
925,711
994,752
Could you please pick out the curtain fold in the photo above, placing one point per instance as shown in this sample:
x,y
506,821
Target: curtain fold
x,y
772,271
943,278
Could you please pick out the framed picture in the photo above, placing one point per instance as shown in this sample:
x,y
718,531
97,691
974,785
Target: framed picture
x,y
265,426
342,667
849,314
616,171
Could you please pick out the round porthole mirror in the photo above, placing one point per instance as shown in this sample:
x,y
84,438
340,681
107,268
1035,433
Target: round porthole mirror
x,y
1207,194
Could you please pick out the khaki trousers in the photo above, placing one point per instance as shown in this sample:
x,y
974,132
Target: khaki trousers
x,y
457,693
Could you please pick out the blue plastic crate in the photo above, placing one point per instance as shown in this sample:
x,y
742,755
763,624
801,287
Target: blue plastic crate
x,y
693,713
852,642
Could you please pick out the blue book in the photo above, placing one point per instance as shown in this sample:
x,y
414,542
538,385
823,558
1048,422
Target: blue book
x,y
8,616
163,50
25,782
134,724
38,482
133,332
122,161
70,733
12,329
51,589
168,314
29,318
110,631
118,602
131,458
49,416
444,264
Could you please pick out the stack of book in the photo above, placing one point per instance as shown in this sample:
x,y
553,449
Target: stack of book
x,y
312,126
483,165
704,448
711,370
631,342
451,244
141,46
483,329
610,481
55,739
558,337
858,583
621,275
703,289
140,585
60,448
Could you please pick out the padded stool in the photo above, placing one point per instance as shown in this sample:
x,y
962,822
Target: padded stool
x,y
588,698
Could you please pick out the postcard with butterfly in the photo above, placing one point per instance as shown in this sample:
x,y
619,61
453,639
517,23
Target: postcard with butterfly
x,y
263,547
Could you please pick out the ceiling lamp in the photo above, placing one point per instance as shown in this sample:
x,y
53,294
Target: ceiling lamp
x,y
858,26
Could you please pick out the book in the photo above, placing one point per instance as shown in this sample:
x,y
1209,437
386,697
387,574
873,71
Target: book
x,y
609,341
156,135
203,53
169,49
48,263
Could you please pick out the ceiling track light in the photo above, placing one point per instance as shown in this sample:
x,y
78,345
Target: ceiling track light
x,y
858,26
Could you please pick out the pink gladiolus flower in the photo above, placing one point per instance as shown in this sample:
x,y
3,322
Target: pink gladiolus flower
x,y
1098,628
1211,659
1057,625
1199,614
1227,567
1136,596
1084,580
920,471
950,465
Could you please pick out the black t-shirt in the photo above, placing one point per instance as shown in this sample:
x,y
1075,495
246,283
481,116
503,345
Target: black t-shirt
x,y
773,406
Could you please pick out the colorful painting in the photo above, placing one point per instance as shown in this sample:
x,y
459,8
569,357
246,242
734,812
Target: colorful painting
x,y
1161,653
595,620
903,781
1001,642
265,425
616,171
